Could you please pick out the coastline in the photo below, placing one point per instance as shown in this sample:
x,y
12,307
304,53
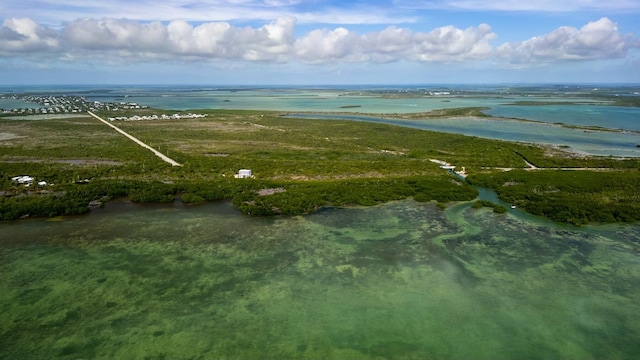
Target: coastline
x,y
317,163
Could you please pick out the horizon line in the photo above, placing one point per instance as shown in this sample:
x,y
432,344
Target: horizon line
x,y
332,85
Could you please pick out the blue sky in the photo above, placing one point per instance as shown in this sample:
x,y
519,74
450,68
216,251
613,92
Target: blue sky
x,y
258,42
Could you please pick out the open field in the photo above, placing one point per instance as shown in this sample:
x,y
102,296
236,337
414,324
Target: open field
x,y
317,163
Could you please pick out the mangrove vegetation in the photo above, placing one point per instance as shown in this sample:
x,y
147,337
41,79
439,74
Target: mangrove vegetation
x,y
312,164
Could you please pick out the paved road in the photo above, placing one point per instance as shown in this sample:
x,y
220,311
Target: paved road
x,y
158,153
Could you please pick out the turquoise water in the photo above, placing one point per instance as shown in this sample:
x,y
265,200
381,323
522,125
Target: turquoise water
x,y
314,100
321,102
9,104
604,143
499,100
402,280
613,117
367,101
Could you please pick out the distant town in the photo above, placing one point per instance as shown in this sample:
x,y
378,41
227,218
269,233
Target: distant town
x,y
157,117
50,104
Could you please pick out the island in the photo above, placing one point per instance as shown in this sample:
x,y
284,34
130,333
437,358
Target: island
x,y
77,162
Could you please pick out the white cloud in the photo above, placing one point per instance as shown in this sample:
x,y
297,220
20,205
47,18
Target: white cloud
x,y
24,35
445,44
596,40
90,34
323,45
452,44
117,40
181,40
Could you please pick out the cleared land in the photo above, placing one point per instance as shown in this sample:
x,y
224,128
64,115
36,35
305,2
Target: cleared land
x,y
312,163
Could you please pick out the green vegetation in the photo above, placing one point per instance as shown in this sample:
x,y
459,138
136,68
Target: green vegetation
x,y
544,103
631,101
549,157
317,163
498,209
444,113
306,197
576,197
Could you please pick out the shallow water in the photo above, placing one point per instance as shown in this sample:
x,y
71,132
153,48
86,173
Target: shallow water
x,y
500,101
594,142
8,104
499,104
613,117
402,280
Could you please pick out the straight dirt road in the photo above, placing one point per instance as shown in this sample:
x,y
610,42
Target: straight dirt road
x,y
156,152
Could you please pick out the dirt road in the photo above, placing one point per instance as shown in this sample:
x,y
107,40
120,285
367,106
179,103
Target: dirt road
x,y
156,152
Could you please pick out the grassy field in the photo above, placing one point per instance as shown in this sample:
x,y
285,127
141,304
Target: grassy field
x,y
317,163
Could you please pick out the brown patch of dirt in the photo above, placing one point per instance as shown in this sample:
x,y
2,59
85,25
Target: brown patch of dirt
x,y
271,191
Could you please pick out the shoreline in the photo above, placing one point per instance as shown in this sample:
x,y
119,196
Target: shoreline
x,y
345,163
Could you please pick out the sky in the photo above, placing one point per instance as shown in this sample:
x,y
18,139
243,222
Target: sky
x,y
318,42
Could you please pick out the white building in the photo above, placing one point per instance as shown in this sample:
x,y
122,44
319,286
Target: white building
x,y
24,179
243,174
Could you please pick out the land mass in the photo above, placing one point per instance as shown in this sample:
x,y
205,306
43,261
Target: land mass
x,y
298,166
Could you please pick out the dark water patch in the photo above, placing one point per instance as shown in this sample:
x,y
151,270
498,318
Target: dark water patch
x,y
76,350
386,252
111,304
182,258
390,349
33,295
452,267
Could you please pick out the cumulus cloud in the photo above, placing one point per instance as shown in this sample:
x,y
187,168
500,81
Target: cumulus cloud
x,y
445,44
24,35
452,44
596,40
176,40
91,34
113,40
323,45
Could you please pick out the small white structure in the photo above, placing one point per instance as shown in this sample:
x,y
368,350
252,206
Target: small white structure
x,y
243,174
24,179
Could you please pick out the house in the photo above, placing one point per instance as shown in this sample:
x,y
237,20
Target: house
x,y
243,174
23,179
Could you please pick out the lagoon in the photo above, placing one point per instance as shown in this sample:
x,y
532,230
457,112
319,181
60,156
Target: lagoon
x,y
593,142
327,100
8,104
612,117
584,112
